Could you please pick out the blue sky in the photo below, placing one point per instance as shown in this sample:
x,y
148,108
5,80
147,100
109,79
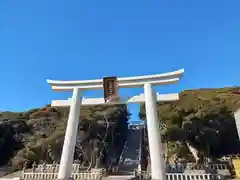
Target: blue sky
x,y
71,40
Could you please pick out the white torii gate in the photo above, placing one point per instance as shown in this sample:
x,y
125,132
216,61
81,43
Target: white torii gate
x,y
237,121
149,97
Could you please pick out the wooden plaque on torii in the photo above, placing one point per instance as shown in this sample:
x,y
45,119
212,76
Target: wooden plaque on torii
x,y
110,88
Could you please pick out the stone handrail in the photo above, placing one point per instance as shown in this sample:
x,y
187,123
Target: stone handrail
x,y
53,176
49,171
52,168
185,176
181,167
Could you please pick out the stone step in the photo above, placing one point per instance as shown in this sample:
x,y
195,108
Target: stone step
x,y
118,177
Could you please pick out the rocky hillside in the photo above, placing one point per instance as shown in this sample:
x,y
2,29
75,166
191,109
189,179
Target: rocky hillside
x,y
200,124
38,134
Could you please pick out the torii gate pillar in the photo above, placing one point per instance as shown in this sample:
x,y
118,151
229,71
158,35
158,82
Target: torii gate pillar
x,y
149,97
154,137
65,168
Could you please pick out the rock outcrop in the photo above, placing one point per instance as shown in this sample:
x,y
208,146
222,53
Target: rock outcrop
x,y
37,135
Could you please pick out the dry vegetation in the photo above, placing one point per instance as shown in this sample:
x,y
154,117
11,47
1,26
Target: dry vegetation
x,y
38,134
204,120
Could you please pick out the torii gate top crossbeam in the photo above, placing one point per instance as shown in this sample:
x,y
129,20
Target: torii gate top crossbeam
x,y
137,81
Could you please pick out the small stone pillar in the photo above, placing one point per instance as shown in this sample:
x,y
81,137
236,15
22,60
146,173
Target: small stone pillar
x,y
54,167
25,165
34,166
44,167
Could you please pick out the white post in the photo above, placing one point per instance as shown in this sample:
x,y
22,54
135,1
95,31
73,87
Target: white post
x,y
154,137
65,168
140,151
237,121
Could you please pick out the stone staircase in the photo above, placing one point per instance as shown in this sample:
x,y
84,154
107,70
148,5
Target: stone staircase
x,y
130,157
